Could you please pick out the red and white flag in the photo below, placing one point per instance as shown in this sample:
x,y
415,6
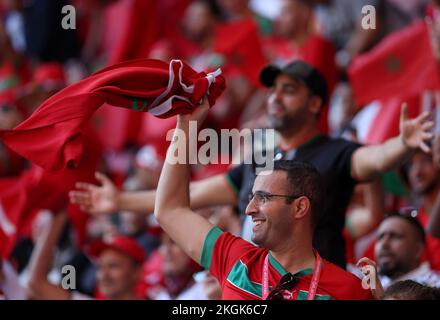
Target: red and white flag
x,y
52,136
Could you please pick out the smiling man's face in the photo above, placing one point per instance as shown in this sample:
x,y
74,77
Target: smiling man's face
x,y
272,220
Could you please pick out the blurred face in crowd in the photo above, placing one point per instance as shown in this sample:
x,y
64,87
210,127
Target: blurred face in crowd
x,y
293,19
234,7
273,219
132,223
423,174
291,104
117,274
198,21
398,248
10,117
175,260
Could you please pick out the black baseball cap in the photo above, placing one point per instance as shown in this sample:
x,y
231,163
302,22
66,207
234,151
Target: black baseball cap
x,y
298,70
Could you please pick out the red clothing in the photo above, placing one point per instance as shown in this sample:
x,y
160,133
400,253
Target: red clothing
x,y
238,266
432,247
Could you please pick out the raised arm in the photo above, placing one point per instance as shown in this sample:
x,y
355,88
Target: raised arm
x,y
362,221
433,227
172,207
41,262
106,198
369,161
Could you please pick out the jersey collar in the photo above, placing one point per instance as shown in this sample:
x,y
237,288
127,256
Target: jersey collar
x,y
279,268
309,140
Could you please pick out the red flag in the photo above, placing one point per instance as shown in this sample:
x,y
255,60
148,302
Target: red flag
x,y
52,136
385,124
402,62
240,44
116,127
35,189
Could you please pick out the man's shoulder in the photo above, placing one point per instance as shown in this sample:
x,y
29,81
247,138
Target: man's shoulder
x,y
239,243
337,141
346,285
333,148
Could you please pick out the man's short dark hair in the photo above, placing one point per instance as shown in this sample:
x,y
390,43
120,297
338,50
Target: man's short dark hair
x,y
303,179
406,214
411,290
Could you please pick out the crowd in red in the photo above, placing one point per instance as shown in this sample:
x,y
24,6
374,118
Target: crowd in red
x,y
119,251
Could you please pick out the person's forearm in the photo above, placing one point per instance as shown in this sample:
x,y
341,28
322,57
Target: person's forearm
x,y
208,192
373,160
390,154
375,201
41,259
139,201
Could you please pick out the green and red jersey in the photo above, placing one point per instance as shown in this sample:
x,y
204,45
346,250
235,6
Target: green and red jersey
x,y
238,266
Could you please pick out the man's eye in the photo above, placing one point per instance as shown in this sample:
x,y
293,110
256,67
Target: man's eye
x,y
290,89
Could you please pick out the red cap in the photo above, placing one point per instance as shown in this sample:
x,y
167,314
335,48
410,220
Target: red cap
x,y
123,244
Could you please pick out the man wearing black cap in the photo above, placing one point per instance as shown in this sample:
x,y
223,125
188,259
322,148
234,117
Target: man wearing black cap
x,y
297,94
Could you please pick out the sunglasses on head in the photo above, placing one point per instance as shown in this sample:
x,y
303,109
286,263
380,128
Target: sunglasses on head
x,y
408,212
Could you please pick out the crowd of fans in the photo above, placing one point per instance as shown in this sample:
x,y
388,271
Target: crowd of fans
x,y
382,200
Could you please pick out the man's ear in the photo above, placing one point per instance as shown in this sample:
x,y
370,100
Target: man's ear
x,y
420,251
302,207
315,105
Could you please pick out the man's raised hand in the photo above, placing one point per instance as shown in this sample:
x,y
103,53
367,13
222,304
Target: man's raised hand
x,y
415,133
96,199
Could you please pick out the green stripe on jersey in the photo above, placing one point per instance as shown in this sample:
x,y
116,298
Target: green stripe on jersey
x,y
208,247
239,278
302,295
232,184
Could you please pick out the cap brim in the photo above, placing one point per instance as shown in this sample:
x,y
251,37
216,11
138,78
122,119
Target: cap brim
x,y
268,75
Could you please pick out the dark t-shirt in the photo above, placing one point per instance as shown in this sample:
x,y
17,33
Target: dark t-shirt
x,y
332,158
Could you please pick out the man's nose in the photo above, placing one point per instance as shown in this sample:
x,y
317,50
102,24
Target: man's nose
x,y
251,208
385,242
275,96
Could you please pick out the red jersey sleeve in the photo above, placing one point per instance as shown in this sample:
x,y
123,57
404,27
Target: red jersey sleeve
x,y
221,251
